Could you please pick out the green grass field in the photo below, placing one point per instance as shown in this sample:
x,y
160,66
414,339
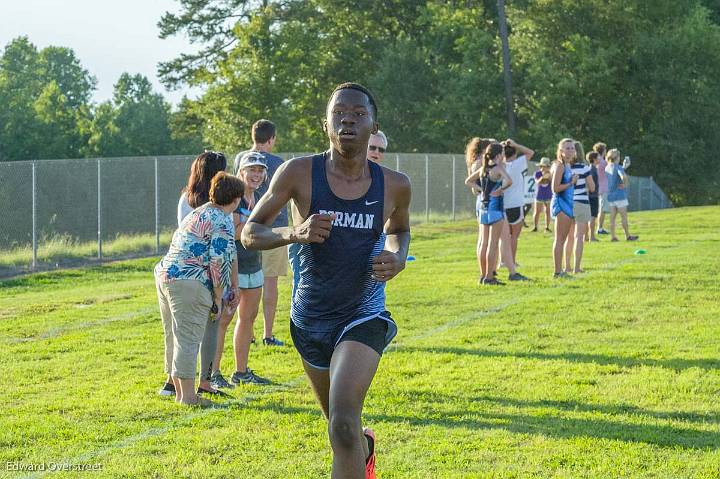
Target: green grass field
x,y
615,374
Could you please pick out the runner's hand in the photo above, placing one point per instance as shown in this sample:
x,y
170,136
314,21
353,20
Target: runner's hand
x,y
497,192
386,266
315,229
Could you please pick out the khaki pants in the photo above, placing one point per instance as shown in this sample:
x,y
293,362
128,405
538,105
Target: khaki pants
x,y
184,309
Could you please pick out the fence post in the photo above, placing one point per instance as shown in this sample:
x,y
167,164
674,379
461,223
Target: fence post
x,y
453,187
99,208
397,162
427,189
157,210
34,216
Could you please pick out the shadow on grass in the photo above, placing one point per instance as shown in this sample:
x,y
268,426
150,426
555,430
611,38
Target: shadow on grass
x,y
674,363
545,425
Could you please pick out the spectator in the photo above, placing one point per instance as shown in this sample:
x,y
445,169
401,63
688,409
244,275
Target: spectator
x,y
561,205
274,261
192,279
473,159
581,212
592,160
617,195
516,158
601,149
252,171
195,194
543,194
377,145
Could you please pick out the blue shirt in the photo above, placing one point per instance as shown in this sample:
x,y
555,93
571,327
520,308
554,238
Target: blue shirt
x,y
613,172
332,281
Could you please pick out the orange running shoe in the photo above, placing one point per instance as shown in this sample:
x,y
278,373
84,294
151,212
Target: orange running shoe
x,y
370,462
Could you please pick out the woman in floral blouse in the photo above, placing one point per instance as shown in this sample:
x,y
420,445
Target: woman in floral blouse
x,y
191,279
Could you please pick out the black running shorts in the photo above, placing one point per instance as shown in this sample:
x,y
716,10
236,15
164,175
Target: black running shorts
x,y
514,215
317,349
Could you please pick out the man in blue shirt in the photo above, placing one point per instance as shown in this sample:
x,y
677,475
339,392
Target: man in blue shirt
x,y
275,261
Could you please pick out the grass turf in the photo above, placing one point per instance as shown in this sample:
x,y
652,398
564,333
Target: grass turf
x,y
612,374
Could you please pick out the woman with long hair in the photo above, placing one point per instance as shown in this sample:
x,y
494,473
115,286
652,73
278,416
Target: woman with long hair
x,y
473,160
195,194
561,205
492,180
581,211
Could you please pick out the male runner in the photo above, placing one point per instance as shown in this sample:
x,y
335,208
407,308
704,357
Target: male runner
x,y
351,236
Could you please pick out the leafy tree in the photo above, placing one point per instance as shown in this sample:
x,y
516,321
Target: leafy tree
x,y
134,123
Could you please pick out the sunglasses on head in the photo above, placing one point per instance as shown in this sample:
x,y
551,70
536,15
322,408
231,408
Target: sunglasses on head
x,y
376,148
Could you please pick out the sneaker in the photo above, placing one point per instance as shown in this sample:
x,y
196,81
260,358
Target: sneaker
x,y
534,230
594,240
272,341
218,381
212,392
492,282
370,461
518,277
548,230
167,390
603,231
561,275
248,377
614,240
633,238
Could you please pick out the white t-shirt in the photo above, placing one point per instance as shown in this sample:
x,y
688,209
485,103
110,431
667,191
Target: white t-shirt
x,y
184,208
515,195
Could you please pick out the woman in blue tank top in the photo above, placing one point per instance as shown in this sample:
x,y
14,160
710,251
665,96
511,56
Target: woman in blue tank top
x,y
492,180
563,182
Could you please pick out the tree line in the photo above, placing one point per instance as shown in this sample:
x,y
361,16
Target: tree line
x,y
47,112
637,75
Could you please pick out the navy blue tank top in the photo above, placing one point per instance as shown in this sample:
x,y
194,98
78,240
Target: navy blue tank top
x,y
332,281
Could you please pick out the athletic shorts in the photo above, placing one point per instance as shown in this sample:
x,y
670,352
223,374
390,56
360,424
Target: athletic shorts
x,y
619,203
514,215
594,206
581,212
275,262
316,348
542,202
251,281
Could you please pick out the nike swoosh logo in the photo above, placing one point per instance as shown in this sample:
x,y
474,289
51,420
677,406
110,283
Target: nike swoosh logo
x,y
368,203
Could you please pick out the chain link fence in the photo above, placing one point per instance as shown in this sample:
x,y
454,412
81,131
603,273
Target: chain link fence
x,y
61,213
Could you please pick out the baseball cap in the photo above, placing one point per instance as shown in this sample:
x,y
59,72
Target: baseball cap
x,y
252,158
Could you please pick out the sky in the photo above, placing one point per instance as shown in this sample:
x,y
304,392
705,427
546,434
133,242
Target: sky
x,y
108,36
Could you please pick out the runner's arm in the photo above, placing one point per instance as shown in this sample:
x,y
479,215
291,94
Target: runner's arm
x,y
258,232
391,261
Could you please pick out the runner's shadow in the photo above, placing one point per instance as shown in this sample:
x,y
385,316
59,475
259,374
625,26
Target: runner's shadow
x,y
436,413
677,364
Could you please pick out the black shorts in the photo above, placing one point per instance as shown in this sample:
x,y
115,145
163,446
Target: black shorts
x,y
317,349
514,215
594,206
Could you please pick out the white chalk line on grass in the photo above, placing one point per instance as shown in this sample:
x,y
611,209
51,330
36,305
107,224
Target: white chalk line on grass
x,y
249,398
58,331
